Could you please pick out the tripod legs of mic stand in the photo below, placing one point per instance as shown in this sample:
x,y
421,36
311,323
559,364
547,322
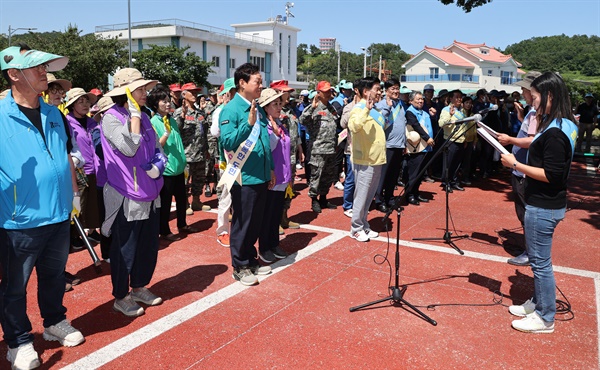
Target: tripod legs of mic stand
x,y
397,297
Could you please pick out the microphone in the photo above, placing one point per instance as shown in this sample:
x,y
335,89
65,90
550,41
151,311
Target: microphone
x,y
489,109
476,117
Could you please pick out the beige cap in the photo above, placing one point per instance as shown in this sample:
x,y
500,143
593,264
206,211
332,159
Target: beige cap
x,y
267,96
65,84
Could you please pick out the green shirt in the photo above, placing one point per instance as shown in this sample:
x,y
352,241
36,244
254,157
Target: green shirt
x,y
235,129
173,147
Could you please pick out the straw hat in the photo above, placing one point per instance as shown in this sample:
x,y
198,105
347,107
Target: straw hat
x,y
129,78
414,143
4,93
267,96
104,104
65,84
76,93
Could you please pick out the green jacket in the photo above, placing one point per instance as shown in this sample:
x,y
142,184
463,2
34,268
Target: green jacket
x,y
235,129
173,147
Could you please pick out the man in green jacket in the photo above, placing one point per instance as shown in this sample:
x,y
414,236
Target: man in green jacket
x,y
245,139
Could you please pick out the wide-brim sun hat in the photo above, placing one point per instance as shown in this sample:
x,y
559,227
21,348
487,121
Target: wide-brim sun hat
x,y
76,93
65,84
12,57
104,104
129,78
267,96
414,142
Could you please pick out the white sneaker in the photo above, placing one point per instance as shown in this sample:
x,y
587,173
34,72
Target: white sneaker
x,y
523,310
342,176
371,234
24,357
360,236
533,323
338,185
298,166
348,212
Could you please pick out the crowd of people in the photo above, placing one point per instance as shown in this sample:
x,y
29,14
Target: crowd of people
x,y
117,159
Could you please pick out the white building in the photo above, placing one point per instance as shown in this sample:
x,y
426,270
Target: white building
x,y
272,45
468,67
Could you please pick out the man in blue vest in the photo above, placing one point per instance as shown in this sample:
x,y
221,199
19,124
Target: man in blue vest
x,y
37,193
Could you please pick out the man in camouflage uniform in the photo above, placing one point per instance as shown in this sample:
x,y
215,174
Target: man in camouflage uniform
x,y
289,120
213,149
321,121
194,128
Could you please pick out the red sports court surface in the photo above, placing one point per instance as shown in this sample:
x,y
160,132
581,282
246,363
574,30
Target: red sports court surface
x,y
298,317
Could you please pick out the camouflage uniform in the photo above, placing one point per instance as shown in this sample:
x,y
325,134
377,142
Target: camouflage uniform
x,y
213,146
321,123
194,128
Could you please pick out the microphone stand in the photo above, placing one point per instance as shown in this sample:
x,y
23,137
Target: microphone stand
x,y
448,238
397,291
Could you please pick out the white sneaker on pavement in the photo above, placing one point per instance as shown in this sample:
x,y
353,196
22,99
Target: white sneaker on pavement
x,y
361,236
24,357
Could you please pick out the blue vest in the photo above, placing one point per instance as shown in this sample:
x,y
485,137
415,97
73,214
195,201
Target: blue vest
x,y
425,121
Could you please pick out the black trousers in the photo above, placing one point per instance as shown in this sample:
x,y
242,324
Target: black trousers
x,y
133,253
173,186
269,230
248,204
453,161
414,164
104,240
389,175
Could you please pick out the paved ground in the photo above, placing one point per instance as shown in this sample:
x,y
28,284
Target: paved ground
x,y
299,316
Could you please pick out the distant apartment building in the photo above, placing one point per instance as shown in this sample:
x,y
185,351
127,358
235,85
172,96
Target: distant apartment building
x,y
468,67
327,44
272,45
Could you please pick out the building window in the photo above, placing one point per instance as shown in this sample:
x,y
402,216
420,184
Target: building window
x,y
258,61
434,73
215,61
490,72
506,78
289,59
232,63
280,42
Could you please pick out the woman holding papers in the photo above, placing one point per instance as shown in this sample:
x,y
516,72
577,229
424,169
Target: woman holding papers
x,y
546,174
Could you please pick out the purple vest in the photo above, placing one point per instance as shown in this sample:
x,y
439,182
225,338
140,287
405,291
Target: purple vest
x,y
84,141
281,157
124,173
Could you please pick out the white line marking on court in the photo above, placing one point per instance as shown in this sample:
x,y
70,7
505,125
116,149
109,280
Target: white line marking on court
x,y
133,340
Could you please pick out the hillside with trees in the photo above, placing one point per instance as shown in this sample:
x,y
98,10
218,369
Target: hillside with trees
x,y
564,54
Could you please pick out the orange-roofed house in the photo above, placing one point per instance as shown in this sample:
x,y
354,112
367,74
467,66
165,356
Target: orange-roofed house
x,y
468,67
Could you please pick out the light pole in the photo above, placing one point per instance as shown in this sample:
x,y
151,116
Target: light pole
x,y
338,48
129,29
364,62
11,31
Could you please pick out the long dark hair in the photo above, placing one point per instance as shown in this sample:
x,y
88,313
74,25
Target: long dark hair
x,y
551,84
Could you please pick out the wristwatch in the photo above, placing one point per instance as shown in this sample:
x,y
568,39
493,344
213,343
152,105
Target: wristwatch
x,y
515,165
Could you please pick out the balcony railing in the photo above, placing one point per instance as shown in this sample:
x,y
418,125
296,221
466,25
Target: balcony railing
x,y
455,77
179,22
509,80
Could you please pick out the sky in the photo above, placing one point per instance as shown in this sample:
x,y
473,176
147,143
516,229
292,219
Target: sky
x,y
410,23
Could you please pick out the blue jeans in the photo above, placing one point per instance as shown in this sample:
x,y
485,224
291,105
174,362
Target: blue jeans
x,y
539,228
46,248
348,185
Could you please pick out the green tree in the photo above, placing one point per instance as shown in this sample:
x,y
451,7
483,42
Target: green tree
x,y
393,54
302,51
91,58
466,5
170,64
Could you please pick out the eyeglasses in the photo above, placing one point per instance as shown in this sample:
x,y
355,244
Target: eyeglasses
x,y
41,67
56,90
